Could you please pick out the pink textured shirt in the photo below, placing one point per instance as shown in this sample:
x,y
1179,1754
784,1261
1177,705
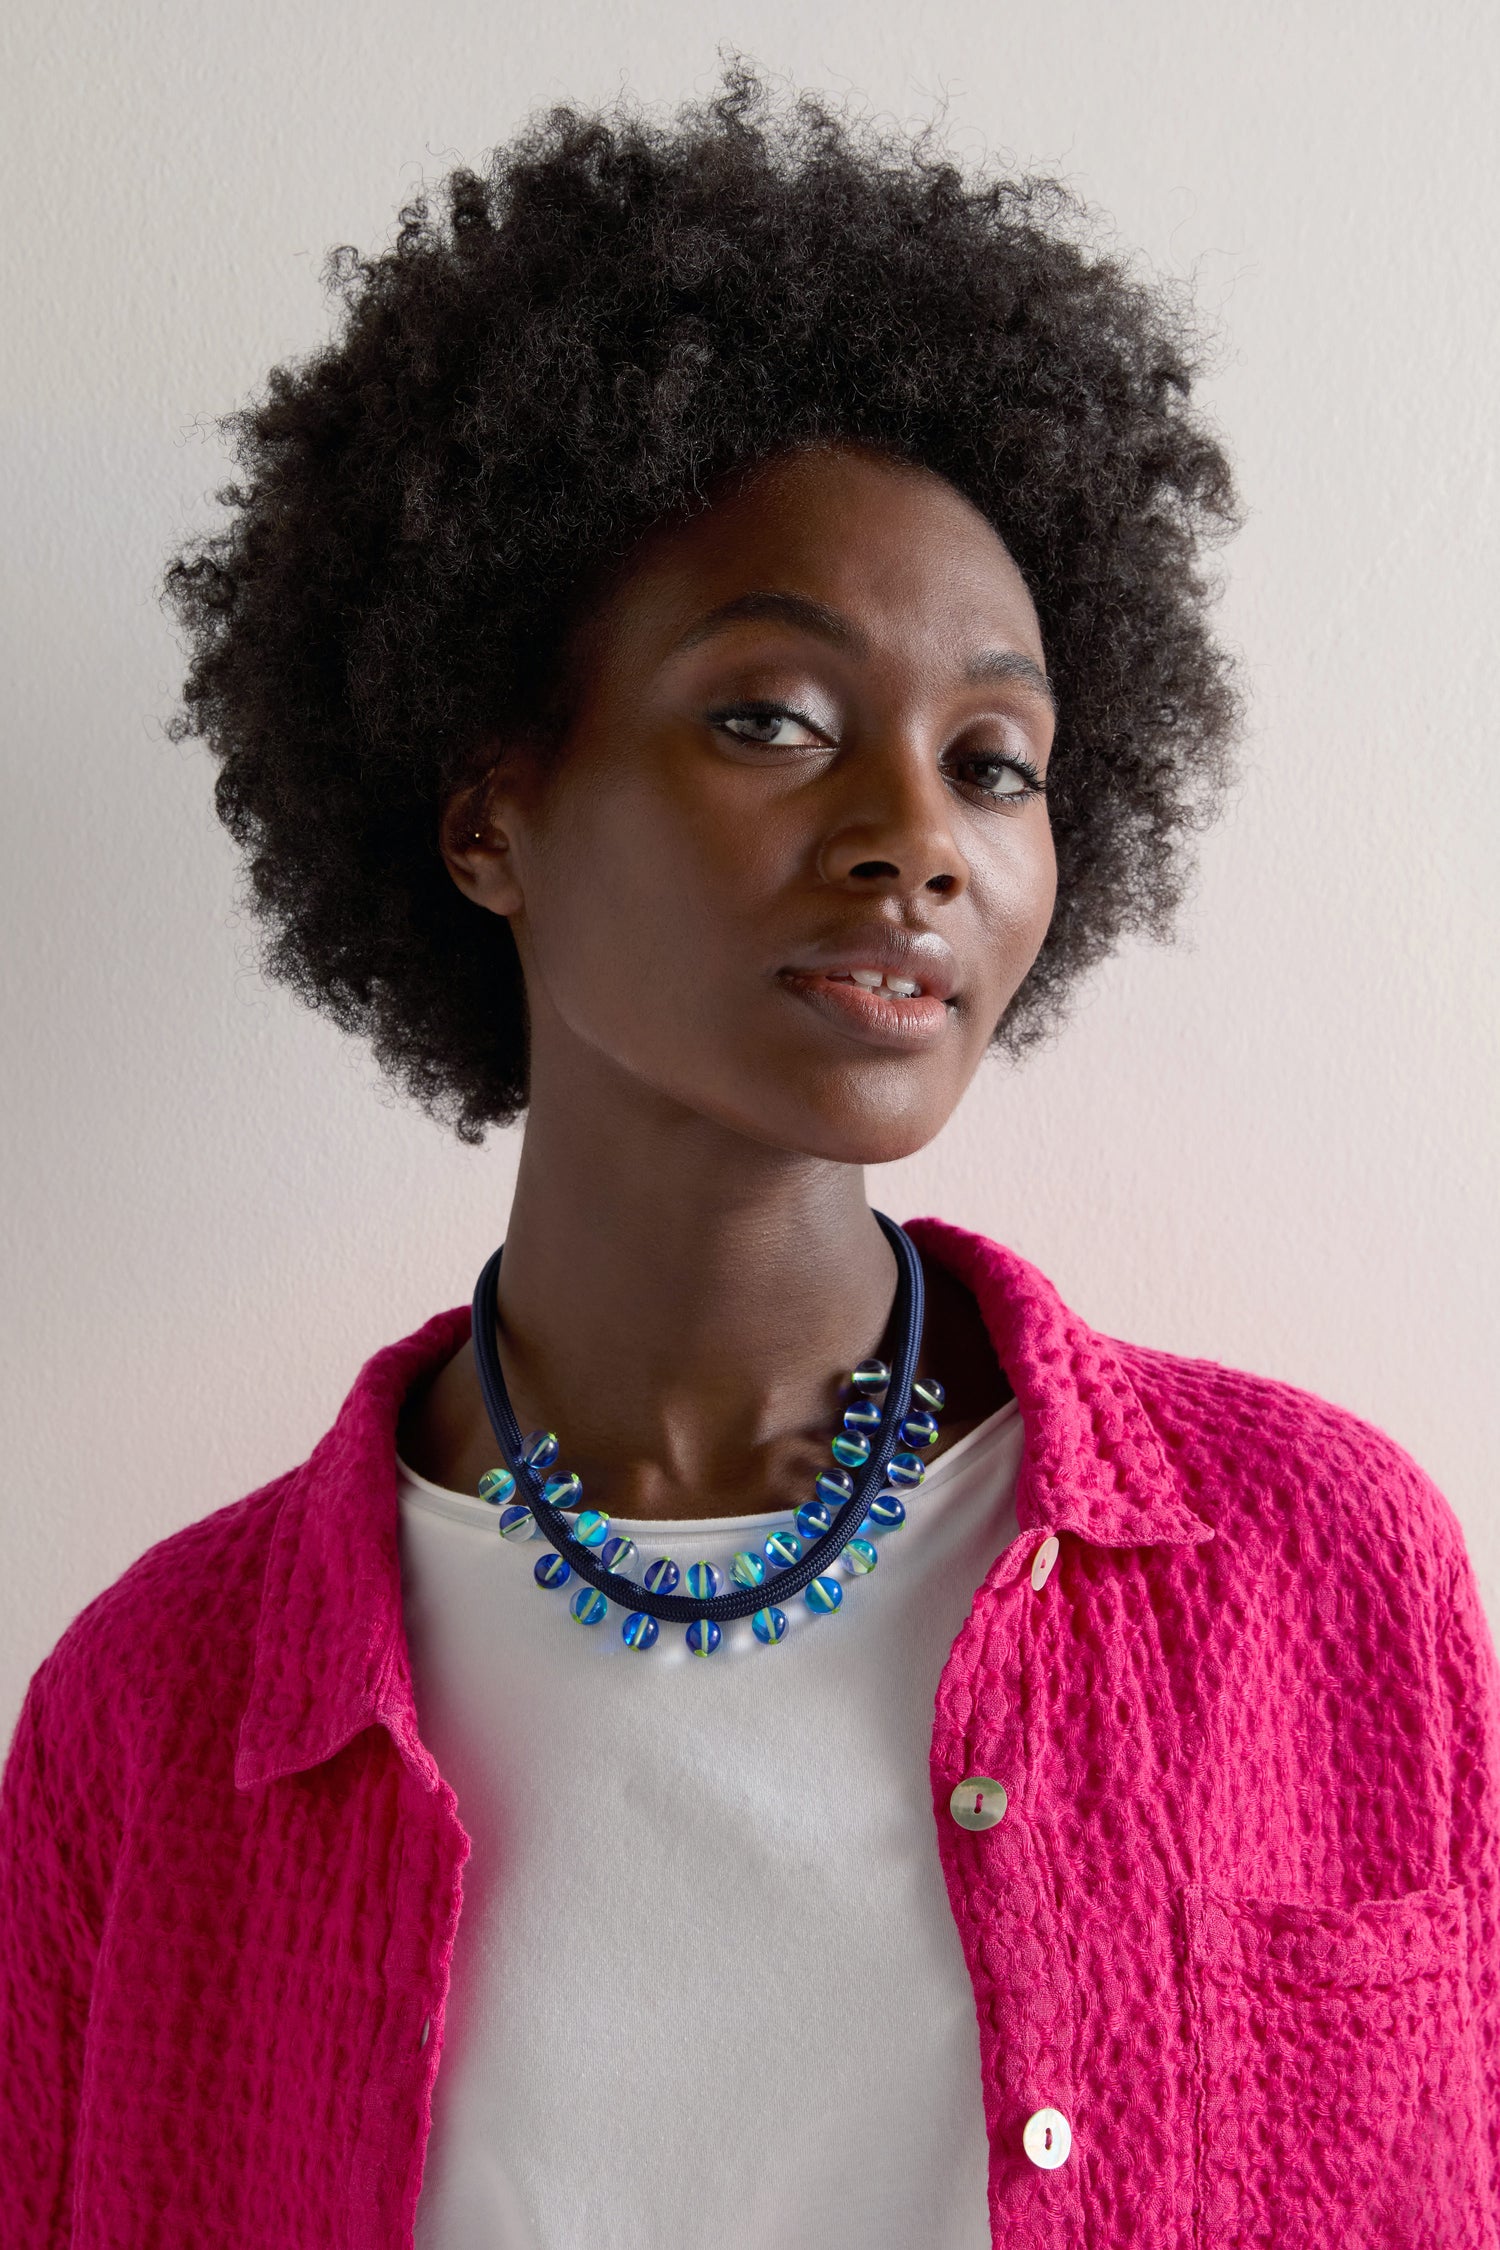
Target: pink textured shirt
x,y
1240,1923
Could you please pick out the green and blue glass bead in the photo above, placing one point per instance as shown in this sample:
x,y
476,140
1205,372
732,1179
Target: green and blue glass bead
x,y
813,1518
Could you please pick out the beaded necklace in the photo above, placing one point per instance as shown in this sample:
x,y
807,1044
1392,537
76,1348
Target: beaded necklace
x,y
876,1462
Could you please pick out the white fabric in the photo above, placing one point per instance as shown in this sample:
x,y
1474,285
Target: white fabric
x,y
707,1987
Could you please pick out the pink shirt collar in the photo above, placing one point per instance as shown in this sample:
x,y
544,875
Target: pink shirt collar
x,y
1092,1465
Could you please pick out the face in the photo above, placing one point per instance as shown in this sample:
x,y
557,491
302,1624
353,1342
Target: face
x,y
794,859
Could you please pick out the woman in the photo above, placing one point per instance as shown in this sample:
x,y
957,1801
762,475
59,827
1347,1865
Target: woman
x,y
718,642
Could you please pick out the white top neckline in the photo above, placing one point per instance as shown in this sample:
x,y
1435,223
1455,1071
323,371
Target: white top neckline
x,y
652,1531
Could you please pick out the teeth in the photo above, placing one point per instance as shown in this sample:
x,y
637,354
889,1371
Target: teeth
x,y
875,980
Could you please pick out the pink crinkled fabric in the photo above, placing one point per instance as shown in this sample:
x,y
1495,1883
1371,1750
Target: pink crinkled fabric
x,y
1239,1925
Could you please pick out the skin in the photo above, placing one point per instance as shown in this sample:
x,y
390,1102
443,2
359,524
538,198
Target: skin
x,y
691,1265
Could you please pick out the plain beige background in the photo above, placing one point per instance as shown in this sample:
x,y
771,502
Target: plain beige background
x,y
1273,1144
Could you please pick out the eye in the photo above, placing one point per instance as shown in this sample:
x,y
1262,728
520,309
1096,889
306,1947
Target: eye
x,y
770,726
1007,777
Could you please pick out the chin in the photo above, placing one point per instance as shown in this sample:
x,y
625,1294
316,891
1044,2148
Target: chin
x,y
843,1133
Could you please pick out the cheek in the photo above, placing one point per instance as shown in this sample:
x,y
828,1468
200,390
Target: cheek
x,y
1017,891
1044,887
632,912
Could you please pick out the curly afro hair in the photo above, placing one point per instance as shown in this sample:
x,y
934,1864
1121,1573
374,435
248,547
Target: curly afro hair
x,y
574,348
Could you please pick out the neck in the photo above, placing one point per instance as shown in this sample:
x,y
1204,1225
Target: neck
x,y
681,1303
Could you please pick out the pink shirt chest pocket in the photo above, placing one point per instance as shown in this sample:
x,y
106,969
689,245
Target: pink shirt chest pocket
x,y
1337,2096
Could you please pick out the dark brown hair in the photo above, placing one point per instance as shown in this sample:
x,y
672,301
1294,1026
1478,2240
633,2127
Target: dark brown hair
x,y
576,344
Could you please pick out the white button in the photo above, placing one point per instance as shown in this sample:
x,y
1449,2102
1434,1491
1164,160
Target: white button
x,y
1041,1570
426,2027
1047,2137
978,1802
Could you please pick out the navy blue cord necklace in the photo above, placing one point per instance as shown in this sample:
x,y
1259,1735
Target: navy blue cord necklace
x,y
876,1442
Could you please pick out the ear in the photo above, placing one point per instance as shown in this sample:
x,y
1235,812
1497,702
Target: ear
x,y
476,838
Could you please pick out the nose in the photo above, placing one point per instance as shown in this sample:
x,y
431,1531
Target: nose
x,y
892,830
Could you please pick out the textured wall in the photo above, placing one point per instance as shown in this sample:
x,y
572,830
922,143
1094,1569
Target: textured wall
x,y
1273,1144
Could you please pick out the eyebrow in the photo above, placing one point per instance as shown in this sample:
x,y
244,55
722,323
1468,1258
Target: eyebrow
x,y
825,624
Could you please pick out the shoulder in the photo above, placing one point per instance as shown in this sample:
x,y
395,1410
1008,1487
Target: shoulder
x,y
1271,1469
1256,1453
184,1613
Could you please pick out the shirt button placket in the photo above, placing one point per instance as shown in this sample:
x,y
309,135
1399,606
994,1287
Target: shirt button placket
x,y
1047,2137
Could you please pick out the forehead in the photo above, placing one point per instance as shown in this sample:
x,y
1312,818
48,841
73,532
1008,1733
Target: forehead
x,y
894,548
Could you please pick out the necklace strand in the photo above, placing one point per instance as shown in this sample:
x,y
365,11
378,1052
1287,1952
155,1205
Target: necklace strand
x,y
876,1461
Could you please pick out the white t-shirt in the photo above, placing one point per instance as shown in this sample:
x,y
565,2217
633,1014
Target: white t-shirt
x,y
707,1986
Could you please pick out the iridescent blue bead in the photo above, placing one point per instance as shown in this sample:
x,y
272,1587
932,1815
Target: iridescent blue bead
x,y
823,1595
539,1448
662,1575
906,1469
888,1509
769,1625
703,1581
783,1548
551,1570
588,1605
639,1630
871,1375
703,1636
928,1391
496,1486
592,1528
851,1449
617,1554
517,1521
562,1489
919,1429
813,1519
834,1486
860,1557
747,1569
864,1415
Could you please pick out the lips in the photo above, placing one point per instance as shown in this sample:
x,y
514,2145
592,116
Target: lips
x,y
880,957
874,1015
